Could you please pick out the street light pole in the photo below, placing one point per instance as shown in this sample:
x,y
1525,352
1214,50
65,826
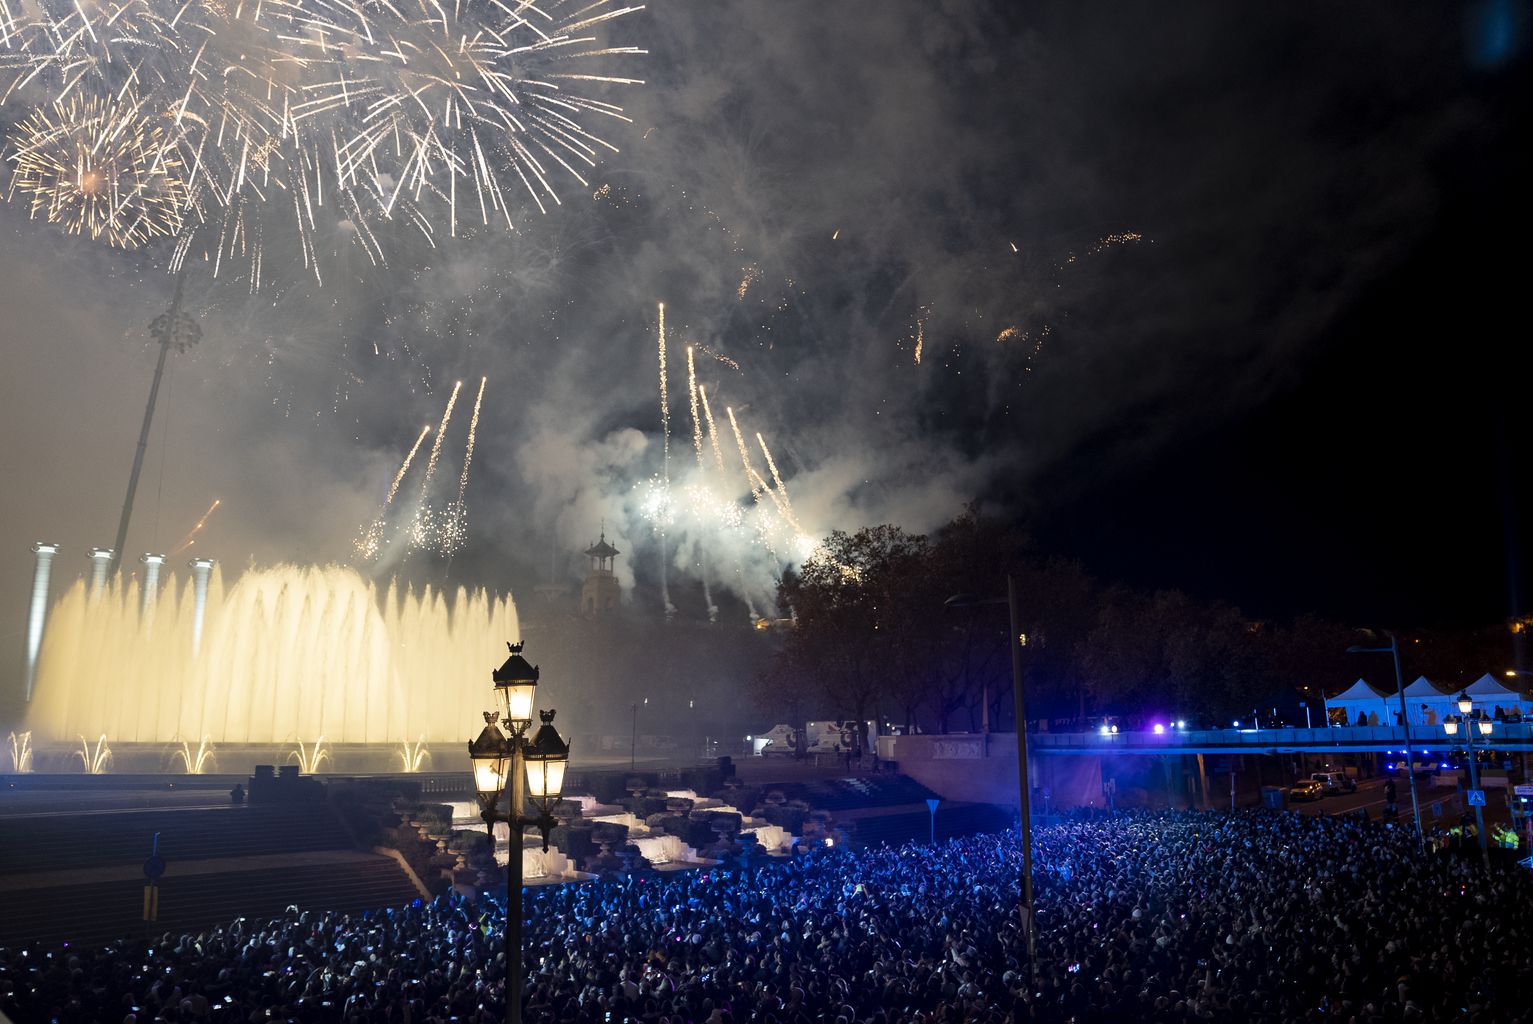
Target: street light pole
x,y
1029,924
1405,723
510,764
1465,706
1014,641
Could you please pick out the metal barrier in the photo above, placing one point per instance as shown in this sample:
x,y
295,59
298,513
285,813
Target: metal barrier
x,y
1506,736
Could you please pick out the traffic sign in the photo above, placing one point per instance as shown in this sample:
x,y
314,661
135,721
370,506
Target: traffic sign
x,y
154,867
1523,789
1476,797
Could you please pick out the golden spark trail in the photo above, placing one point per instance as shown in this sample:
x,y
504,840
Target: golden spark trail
x,y
920,334
720,357
191,534
757,484
452,532
372,538
468,453
777,481
697,425
405,466
441,432
713,434
665,402
752,275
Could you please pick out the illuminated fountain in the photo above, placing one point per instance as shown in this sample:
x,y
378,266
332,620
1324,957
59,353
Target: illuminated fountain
x,y
196,761
414,756
97,761
285,655
21,752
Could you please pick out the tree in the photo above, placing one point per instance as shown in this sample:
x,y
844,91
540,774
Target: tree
x,y
849,604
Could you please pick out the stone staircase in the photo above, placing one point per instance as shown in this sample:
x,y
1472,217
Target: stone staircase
x,y
77,878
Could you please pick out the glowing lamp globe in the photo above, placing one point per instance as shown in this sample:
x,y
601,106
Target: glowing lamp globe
x,y
1485,726
516,682
1465,704
547,756
1451,728
490,755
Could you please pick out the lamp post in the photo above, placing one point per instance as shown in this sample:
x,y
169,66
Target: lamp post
x,y
1405,722
1014,641
500,758
1484,725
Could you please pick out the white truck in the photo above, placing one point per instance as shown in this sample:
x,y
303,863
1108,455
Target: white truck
x,y
820,738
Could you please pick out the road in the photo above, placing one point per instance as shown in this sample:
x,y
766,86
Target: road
x,y
1370,797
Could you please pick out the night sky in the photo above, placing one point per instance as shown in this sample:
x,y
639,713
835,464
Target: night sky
x,y
1383,477
1221,298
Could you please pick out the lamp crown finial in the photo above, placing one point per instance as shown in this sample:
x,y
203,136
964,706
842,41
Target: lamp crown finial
x,y
491,717
514,648
547,716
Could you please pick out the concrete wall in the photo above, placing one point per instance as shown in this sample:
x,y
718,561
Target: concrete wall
x,y
983,769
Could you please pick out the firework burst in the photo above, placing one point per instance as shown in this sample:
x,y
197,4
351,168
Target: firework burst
x,y
323,124
101,169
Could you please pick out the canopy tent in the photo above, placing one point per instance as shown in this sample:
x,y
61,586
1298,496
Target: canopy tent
x,y
1490,696
1426,704
1359,704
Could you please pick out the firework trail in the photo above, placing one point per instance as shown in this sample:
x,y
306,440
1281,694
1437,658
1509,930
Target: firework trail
x,y
697,447
665,400
425,516
751,476
191,535
777,480
371,541
455,530
441,433
697,423
473,430
752,275
713,433
720,357
921,331
665,429
405,466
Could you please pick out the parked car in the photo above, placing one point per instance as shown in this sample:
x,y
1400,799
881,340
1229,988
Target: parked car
x,y
1306,789
1335,782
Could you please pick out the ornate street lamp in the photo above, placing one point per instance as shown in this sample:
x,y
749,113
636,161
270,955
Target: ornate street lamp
x,y
516,684
507,764
1484,726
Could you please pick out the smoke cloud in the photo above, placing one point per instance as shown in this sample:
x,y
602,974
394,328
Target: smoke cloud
x,y
1099,230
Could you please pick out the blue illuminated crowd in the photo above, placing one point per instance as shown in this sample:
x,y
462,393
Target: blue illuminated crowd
x,y
1142,917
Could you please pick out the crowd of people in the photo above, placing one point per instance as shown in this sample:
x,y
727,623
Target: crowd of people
x,y
1167,916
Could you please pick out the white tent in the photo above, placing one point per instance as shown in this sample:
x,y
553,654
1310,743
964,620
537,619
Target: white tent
x,y
1426,704
1489,695
1359,704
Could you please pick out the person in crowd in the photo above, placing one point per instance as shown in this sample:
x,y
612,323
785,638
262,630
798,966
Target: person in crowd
x,y
1161,917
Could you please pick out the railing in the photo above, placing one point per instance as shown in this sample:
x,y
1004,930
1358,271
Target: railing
x,y
1423,737
447,785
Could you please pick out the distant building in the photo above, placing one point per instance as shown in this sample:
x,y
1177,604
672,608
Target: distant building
x,y
600,593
